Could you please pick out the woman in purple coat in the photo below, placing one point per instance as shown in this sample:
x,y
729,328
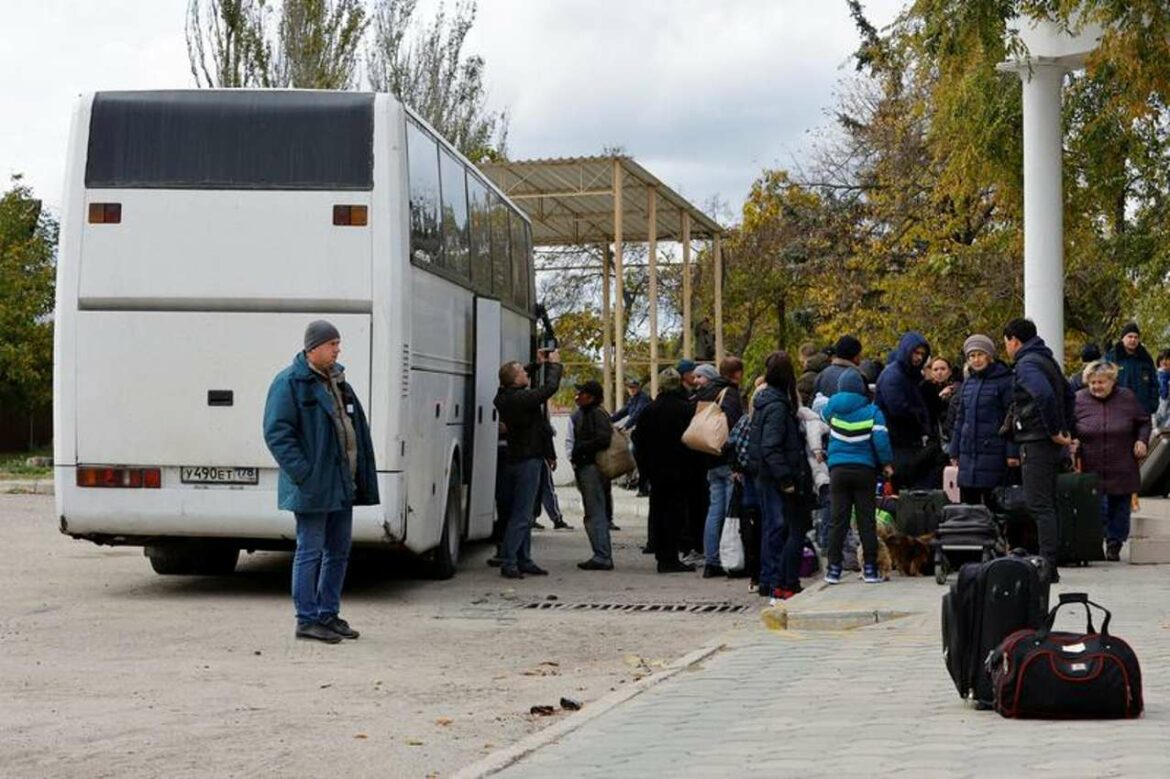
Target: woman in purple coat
x,y
1114,430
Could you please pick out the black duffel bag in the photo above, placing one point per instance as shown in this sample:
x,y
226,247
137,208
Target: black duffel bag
x,y
1039,674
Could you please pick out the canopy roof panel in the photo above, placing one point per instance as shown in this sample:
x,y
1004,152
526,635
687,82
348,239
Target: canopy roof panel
x,y
571,200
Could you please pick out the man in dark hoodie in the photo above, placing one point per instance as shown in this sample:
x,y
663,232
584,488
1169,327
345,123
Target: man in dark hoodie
x,y
899,396
1043,419
1135,367
814,360
724,388
592,432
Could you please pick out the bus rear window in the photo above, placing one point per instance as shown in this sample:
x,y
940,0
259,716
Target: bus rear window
x,y
231,139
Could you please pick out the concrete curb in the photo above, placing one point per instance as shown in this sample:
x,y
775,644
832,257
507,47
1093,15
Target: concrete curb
x,y
779,618
503,758
32,487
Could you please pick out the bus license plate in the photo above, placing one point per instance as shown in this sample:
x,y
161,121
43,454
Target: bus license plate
x,y
202,474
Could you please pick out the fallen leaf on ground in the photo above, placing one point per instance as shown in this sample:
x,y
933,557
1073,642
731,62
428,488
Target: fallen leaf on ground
x,y
444,721
542,711
361,735
413,742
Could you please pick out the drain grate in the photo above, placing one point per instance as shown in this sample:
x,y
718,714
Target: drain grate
x,y
674,608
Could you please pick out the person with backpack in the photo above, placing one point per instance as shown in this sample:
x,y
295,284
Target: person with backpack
x,y
723,389
985,397
776,456
1042,421
859,448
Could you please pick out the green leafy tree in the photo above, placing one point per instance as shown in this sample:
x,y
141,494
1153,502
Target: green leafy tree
x,y
28,243
318,42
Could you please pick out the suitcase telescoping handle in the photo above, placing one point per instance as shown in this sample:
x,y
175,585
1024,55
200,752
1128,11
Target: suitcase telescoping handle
x,y
1067,598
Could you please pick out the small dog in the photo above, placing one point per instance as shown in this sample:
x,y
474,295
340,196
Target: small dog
x,y
912,555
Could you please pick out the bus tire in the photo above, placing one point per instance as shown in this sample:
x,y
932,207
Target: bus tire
x,y
444,559
184,560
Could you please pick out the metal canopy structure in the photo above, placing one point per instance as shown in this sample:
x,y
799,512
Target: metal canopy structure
x,y
605,201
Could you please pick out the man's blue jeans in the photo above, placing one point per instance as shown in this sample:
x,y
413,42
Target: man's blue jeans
x,y
319,564
719,490
1115,511
524,478
592,486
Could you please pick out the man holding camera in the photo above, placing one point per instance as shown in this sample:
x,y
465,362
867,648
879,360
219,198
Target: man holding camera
x,y
530,445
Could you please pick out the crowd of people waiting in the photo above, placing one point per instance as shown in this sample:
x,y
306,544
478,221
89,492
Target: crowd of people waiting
x,y
815,448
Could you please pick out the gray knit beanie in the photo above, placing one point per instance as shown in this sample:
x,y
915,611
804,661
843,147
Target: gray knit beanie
x,y
979,343
318,332
708,372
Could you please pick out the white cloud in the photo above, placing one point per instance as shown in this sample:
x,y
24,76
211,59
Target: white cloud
x,y
705,94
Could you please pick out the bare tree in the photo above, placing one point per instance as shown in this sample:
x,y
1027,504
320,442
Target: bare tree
x,y
226,42
424,66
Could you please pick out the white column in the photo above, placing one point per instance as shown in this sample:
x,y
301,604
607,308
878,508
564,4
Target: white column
x,y
619,291
652,252
1044,203
606,331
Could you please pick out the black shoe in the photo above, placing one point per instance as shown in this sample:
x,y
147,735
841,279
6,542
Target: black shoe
x,y
647,549
532,569
537,526
318,632
594,565
612,526
561,524
711,571
1113,552
495,561
510,572
341,628
1053,576
675,567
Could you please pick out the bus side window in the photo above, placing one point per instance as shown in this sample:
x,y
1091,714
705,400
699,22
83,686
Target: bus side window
x,y
455,255
481,234
519,262
501,251
422,154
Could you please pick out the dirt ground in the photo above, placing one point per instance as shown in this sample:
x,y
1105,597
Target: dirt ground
x,y
109,670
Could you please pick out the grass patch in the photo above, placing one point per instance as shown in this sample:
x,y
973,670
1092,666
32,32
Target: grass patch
x,y
13,465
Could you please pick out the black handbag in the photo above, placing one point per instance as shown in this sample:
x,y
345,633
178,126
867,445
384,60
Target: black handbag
x,y
1041,674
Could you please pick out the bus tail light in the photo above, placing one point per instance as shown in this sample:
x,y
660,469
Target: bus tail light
x,y
350,216
102,476
105,213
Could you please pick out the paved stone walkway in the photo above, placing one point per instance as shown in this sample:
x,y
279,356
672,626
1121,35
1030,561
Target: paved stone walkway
x,y
874,701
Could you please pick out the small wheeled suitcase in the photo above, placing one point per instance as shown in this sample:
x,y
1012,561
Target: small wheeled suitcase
x,y
950,483
919,511
1078,510
965,531
1041,674
989,602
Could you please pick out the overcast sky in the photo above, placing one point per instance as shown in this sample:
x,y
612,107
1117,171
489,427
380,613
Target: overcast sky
x,y
705,94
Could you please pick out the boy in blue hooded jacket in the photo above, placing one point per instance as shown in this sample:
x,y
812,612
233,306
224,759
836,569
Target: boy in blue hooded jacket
x,y
859,447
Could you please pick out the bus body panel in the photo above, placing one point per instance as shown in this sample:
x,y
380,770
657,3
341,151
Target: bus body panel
x,y
226,250
149,375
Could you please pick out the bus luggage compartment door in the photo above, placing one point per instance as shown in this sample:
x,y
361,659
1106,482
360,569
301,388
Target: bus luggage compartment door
x,y
485,424
178,388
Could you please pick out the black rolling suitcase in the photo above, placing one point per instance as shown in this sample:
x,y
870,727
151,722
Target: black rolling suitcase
x,y
1011,504
1078,510
919,511
989,602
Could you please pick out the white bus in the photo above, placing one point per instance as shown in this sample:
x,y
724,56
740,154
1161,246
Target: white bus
x,y
202,230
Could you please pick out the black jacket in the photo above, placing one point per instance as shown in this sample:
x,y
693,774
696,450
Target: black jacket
x,y
522,412
776,447
592,433
658,448
1043,403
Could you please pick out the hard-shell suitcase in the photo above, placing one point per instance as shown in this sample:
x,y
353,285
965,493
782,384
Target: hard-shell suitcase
x,y
1078,509
989,602
1090,675
950,483
965,531
919,511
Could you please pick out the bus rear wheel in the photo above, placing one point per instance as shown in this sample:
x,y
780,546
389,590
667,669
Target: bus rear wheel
x,y
445,558
192,560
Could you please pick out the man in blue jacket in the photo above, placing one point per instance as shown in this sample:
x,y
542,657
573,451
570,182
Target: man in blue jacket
x,y
899,396
1043,419
316,429
1135,367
